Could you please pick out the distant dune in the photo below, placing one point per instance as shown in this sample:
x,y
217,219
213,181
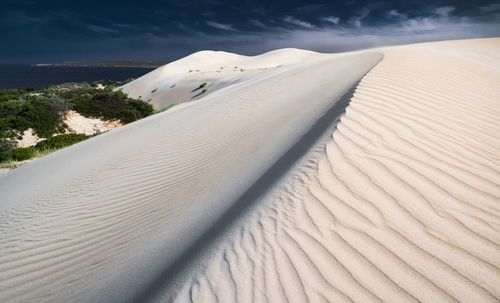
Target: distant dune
x,y
256,192
180,81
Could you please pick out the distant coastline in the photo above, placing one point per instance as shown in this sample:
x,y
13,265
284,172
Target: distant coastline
x,y
109,63
42,75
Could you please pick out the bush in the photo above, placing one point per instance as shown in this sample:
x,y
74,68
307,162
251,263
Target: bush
x,y
18,154
60,141
5,145
56,142
24,108
30,111
112,106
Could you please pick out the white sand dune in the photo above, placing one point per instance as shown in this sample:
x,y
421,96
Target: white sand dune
x,y
180,81
101,220
244,196
402,206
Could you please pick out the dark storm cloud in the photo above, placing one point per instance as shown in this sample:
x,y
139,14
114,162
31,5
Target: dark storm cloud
x,y
51,31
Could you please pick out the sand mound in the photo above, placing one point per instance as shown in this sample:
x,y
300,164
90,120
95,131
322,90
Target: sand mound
x,y
181,81
101,220
402,205
250,194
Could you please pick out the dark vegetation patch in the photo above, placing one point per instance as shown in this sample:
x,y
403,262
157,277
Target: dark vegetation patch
x,y
41,110
60,141
18,154
52,143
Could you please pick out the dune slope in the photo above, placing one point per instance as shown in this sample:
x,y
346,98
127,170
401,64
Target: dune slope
x,y
401,205
205,72
103,219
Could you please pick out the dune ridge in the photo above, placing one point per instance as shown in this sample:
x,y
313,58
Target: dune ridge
x,y
100,220
180,81
401,204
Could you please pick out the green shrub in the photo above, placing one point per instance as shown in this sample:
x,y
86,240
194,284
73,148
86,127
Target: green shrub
x,y
6,145
53,143
112,106
204,91
24,108
30,111
18,154
154,90
60,141
203,85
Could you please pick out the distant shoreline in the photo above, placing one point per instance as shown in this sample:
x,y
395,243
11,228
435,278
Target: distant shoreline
x,y
40,76
112,63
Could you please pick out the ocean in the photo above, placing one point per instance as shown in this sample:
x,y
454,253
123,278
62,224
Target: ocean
x,y
25,75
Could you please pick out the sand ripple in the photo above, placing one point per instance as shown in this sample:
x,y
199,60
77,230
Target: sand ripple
x,y
101,220
401,205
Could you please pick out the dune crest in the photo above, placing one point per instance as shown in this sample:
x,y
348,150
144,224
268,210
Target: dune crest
x,y
253,193
401,205
205,72
101,220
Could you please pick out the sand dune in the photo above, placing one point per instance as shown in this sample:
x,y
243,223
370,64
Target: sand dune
x,y
180,81
101,220
401,205
253,193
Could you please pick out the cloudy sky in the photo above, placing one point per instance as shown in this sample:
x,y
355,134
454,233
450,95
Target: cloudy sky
x,y
61,30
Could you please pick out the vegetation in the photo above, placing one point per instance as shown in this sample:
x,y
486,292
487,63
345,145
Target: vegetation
x,y
42,110
203,85
47,145
112,106
154,90
204,91
60,141
18,154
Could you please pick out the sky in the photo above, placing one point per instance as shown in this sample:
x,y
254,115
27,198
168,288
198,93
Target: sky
x,y
48,31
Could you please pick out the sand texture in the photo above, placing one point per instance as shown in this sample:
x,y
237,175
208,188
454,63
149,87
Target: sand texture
x,y
401,206
101,220
182,80
83,125
254,192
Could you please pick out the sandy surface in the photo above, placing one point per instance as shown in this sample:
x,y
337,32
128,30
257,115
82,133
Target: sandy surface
x,y
76,124
402,205
253,193
119,209
83,125
29,139
180,81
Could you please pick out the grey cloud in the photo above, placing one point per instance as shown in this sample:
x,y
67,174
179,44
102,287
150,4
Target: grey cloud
x,y
490,8
100,29
298,22
444,11
221,26
332,19
257,23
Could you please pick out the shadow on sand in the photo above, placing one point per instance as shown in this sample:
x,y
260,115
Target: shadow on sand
x,y
326,123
